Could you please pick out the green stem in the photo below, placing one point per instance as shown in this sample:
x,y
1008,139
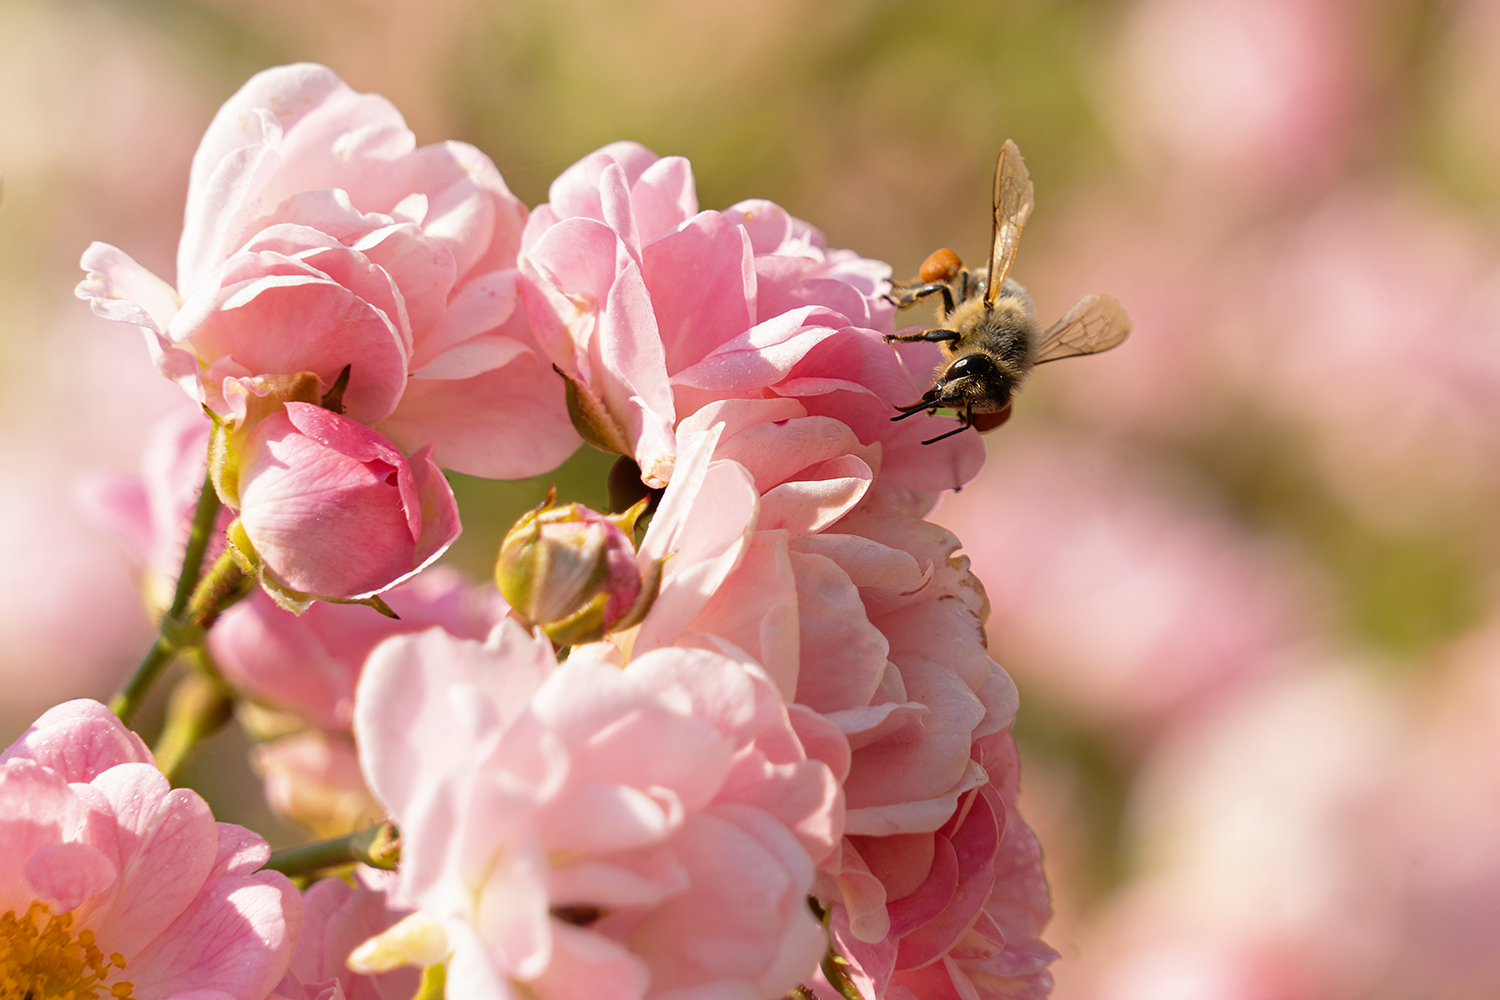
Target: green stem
x,y
220,587
169,642
199,536
133,694
378,846
223,585
199,708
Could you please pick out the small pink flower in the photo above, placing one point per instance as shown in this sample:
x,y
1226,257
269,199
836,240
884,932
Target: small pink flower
x,y
318,236
593,832
109,872
332,509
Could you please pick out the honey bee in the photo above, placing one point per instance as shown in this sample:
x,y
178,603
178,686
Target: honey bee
x,y
987,327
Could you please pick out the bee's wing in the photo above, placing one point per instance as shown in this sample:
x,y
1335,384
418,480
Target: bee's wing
x,y
1096,323
1013,200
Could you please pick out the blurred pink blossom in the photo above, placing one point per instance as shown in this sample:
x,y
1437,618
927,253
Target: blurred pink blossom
x,y
150,513
1379,329
1182,605
109,872
1269,858
501,768
1245,97
318,236
312,778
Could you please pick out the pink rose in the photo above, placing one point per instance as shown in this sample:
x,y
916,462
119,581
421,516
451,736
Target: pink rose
x,y
656,311
332,509
872,626
595,832
109,872
318,236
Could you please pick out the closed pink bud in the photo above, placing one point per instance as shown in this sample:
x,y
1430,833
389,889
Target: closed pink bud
x,y
331,509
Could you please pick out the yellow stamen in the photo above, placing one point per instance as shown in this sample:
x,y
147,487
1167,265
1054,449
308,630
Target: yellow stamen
x,y
41,959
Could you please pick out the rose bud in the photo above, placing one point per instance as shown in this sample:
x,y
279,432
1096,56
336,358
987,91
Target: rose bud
x,y
331,510
575,573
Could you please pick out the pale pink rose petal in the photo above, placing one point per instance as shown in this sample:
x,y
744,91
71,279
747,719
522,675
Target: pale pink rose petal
x,y
589,306
702,283
398,676
167,842
695,940
68,873
591,965
836,635
337,918
663,196
40,811
224,940
303,319
704,549
756,609
76,740
117,288
462,419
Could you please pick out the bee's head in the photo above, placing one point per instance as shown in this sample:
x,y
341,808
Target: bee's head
x,y
974,380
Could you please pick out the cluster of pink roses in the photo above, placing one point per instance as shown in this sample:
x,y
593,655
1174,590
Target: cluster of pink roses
x,y
788,770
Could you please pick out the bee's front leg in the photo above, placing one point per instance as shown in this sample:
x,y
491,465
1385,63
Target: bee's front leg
x,y
935,336
965,421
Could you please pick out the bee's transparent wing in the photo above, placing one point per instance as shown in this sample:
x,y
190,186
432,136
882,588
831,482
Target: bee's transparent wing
x,y
1096,323
1014,196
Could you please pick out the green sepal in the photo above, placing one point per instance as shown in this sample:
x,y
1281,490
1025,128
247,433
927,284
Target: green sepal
x,y
250,561
583,626
627,519
223,461
592,419
434,985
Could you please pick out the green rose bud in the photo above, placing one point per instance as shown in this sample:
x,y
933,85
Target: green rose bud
x,y
574,573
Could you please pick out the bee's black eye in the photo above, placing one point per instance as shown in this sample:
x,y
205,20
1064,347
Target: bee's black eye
x,y
970,364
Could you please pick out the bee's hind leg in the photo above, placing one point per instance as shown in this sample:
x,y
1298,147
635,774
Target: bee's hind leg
x,y
911,295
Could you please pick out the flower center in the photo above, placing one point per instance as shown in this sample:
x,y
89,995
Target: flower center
x,y
41,959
